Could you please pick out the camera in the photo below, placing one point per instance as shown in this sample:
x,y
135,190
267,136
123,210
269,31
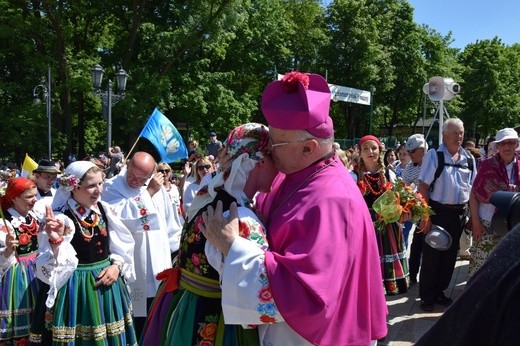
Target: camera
x,y
507,214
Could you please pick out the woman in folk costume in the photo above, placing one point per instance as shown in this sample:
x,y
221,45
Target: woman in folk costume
x,y
187,309
85,258
18,249
373,180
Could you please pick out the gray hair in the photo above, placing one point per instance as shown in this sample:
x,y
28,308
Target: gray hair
x,y
452,122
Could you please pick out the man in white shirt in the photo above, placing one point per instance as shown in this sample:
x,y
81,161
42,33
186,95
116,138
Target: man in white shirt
x,y
139,198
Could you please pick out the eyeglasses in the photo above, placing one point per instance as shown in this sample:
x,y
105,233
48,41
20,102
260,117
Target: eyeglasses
x,y
201,168
274,145
163,171
510,143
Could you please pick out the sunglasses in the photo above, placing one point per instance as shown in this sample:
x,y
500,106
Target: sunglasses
x,y
200,168
510,143
413,151
163,170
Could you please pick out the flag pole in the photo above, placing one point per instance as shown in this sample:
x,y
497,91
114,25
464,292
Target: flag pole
x,y
131,149
135,143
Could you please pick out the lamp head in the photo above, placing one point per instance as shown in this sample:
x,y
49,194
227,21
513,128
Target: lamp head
x,y
97,76
121,78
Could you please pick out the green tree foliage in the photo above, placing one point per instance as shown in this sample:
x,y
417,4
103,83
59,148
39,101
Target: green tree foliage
x,y
205,64
490,88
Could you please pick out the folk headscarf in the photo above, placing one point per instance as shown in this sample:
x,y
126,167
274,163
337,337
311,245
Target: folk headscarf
x,y
14,189
246,144
70,181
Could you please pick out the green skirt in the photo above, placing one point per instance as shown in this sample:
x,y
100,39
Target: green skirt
x,y
84,314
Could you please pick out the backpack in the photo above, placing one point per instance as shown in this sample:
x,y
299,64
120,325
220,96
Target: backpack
x,y
441,164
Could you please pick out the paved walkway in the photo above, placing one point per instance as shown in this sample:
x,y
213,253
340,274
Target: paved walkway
x,y
407,322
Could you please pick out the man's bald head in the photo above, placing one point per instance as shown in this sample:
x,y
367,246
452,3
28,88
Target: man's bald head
x,y
140,169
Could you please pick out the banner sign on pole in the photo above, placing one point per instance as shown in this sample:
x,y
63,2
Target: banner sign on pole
x,y
346,94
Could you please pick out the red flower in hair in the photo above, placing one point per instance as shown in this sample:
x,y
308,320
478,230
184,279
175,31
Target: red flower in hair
x,y
290,81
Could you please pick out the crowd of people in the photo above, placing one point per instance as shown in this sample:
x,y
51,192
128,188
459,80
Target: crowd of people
x,y
273,237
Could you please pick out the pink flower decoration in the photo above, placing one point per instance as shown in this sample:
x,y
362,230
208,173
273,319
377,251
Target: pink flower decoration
x,y
195,259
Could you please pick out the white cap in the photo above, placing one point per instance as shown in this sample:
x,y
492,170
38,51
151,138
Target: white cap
x,y
416,141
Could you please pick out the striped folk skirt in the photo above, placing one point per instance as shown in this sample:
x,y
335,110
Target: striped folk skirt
x,y
18,291
394,263
192,315
84,314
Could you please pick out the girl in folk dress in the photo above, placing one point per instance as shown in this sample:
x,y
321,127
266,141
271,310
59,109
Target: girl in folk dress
x,y
85,258
373,180
18,250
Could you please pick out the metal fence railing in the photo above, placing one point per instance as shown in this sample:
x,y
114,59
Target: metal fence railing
x,y
389,142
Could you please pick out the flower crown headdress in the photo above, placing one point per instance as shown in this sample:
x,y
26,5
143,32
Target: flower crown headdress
x,y
68,182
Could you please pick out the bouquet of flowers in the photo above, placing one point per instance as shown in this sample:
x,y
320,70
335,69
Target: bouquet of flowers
x,y
398,199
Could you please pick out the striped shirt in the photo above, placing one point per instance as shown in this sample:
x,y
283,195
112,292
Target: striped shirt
x,y
454,184
411,174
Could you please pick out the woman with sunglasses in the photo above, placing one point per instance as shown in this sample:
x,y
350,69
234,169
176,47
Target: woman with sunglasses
x,y
173,192
188,308
202,167
18,249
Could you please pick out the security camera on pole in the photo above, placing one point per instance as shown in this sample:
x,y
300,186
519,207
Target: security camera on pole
x,y
440,89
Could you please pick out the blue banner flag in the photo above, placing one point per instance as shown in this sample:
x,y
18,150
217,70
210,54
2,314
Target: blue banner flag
x,y
164,136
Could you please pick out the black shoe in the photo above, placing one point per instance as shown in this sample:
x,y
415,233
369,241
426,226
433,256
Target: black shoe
x,y
443,300
425,306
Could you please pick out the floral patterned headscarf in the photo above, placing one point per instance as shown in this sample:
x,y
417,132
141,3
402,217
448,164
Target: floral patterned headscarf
x,y
251,139
246,145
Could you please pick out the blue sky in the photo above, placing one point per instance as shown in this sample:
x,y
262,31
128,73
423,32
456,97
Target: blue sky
x,y
471,20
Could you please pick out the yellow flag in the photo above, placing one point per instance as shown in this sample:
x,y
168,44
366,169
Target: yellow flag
x,y
28,166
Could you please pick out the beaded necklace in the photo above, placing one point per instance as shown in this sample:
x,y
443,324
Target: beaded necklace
x,y
369,180
84,226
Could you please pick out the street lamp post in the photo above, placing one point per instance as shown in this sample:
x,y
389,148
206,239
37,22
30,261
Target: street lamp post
x,y
108,98
46,90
